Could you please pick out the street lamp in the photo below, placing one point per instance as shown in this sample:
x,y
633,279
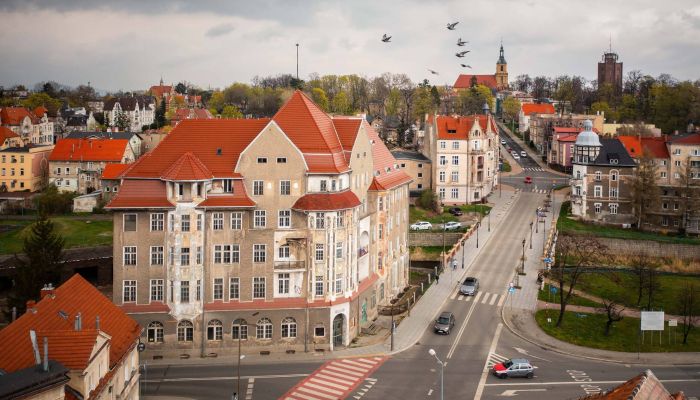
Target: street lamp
x,y
489,215
442,373
464,252
478,224
537,218
442,260
522,265
531,235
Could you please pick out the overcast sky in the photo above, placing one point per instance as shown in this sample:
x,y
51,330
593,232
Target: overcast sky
x,y
129,44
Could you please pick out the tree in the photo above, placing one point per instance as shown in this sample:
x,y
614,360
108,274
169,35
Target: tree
x,y
523,83
641,266
231,112
428,200
511,108
49,89
645,191
690,309
181,88
574,256
471,101
423,101
121,121
613,312
42,99
319,97
689,192
160,115
43,251
340,104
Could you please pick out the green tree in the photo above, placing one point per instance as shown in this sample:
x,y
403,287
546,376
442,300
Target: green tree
x,y
511,108
160,115
471,101
43,252
645,191
216,103
42,99
393,102
340,104
627,111
423,102
319,97
121,121
181,88
428,200
231,112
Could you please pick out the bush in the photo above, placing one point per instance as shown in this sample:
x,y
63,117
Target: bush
x,y
428,200
51,202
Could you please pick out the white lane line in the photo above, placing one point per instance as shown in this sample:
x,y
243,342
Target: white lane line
x,y
486,298
469,298
333,373
316,393
578,383
223,378
493,299
331,378
329,383
453,296
323,388
461,330
359,364
485,372
249,391
362,369
343,371
478,295
460,298
365,361
503,299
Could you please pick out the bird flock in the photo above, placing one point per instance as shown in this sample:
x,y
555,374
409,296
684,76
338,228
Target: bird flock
x,y
460,54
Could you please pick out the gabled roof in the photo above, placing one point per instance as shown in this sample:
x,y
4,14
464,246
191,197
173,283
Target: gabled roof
x,y
40,111
102,135
612,149
465,81
160,90
656,146
187,168
57,313
141,193
128,103
327,201
691,139
15,115
238,199
111,150
645,386
114,171
347,128
458,128
6,133
531,108
191,113
387,174
75,347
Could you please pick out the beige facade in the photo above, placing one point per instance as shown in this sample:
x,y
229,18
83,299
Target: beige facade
x,y
542,127
24,168
417,166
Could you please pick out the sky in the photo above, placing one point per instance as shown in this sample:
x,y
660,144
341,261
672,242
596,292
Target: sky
x,y
130,44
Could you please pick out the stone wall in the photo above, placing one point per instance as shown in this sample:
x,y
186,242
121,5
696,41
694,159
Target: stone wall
x,y
433,238
651,248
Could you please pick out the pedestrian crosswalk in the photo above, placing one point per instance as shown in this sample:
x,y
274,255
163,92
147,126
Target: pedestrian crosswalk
x,y
481,297
533,169
337,379
541,191
494,359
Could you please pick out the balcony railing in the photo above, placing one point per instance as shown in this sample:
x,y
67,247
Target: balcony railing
x,y
289,264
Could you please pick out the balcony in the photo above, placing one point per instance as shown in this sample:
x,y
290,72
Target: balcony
x,y
362,251
289,264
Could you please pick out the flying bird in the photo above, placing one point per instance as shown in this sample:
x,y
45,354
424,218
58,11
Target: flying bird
x,y
462,53
465,65
433,72
460,42
452,25
386,39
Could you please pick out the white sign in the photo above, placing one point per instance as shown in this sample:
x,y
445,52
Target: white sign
x,y
652,320
672,322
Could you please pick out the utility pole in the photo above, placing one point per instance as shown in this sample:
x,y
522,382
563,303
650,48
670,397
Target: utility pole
x,y
297,61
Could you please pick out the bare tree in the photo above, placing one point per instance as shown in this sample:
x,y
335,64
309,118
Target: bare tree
x,y
642,266
613,312
688,191
645,191
574,256
689,306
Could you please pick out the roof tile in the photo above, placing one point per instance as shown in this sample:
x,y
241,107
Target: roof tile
x,y
465,81
110,150
327,201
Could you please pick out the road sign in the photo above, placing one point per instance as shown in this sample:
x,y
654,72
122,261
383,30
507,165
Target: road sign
x,y
672,322
548,260
553,289
141,347
652,321
511,290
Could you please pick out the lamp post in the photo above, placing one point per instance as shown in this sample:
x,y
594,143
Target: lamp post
x,y
464,252
522,265
478,224
442,373
489,215
537,219
442,259
531,235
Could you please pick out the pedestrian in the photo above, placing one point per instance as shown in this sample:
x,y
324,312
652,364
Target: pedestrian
x,y
454,265
437,279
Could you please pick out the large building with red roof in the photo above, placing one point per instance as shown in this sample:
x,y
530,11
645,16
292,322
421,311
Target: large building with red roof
x,y
33,126
283,233
86,333
527,110
496,81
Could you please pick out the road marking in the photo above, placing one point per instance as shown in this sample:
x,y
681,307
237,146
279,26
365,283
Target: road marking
x,y
578,383
500,302
223,378
514,392
430,392
525,352
476,298
461,328
484,373
460,298
249,391
337,379
493,299
453,296
485,299
494,359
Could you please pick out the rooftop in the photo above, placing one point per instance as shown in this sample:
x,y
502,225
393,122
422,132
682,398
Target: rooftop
x,y
409,155
89,150
465,81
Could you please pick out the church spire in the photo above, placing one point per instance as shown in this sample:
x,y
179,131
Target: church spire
x,y
502,58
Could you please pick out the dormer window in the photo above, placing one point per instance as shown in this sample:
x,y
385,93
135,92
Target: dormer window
x,y
228,185
333,185
262,160
324,185
452,131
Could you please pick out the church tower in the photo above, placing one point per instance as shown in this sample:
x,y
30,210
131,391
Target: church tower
x,y
501,71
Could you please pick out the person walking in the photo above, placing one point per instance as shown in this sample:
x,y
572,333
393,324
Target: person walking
x,y
437,279
454,265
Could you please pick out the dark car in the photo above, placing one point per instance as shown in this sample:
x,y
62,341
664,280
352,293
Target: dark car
x,y
456,211
469,287
444,323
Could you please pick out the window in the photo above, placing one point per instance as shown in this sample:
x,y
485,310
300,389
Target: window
x,y
285,188
319,286
129,222
338,283
260,220
340,219
227,185
598,191
319,252
677,152
664,206
239,330
129,255
259,253
613,193
218,221
283,252
420,174
324,185
677,163
218,289
455,160
263,329
675,206
664,220
185,291
441,193
289,328
199,255
185,331
441,176
443,160
320,220
157,220
597,207
339,250
380,231
283,283
598,176
284,218
234,289
334,185
613,176
184,256
455,176
259,287
281,160
613,208
156,255
129,292
443,144
218,254
258,188
319,331
155,332
663,174
171,256
199,222
663,162
262,160
215,330
185,223
455,145
199,290
236,220
455,193
157,289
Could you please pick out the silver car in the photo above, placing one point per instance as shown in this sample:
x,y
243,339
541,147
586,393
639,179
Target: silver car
x,y
469,287
444,323
516,367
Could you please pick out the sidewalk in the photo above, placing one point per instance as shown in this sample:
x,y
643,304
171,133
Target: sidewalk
x,y
531,153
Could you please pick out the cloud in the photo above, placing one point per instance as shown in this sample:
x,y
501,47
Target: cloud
x,y
220,30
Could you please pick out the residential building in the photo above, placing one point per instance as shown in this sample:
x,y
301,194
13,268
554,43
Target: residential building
x,y
76,165
84,332
645,386
135,139
496,82
8,138
613,128
30,127
282,233
418,167
25,168
139,110
601,184
111,179
189,113
561,151
37,382
150,139
465,151
542,127
610,72
529,109
162,91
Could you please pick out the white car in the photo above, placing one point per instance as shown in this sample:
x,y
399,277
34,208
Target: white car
x,y
503,142
523,154
515,155
452,226
421,226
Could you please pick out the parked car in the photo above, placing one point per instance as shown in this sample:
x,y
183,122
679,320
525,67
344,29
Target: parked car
x,y
515,155
444,323
503,142
470,286
456,211
452,226
421,226
523,153
528,179
516,367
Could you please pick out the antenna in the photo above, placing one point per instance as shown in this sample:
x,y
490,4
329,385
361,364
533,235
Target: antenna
x,y
297,61
610,43
35,346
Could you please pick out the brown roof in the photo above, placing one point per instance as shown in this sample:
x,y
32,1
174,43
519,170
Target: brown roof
x,y
6,133
531,108
187,168
141,193
656,146
15,115
644,386
465,81
111,150
690,139
458,128
327,201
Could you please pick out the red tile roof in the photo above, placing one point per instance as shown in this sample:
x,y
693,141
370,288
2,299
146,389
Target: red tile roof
x,y
191,113
690,139
110,150
465,81
461,126
327,201
141,193
74,347
531,108
187,168
40,111
159,91
114,171
655,146
567,137
386,174
645,386
239,198
75,296
6,133
15,115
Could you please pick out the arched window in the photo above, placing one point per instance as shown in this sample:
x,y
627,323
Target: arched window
x,y
263,329
239,330
215,330
289,328
185,331
155,332
613,175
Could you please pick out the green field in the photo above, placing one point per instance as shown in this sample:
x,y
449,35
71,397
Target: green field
x,y
588,330
77,232
574,300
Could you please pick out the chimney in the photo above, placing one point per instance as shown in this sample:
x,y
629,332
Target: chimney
x,y
78,323
30,304
47,290
14,314
46,354
97,322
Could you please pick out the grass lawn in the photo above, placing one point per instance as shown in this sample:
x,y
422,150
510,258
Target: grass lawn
x,y
544,295
76,232
568,225
588,330
416,214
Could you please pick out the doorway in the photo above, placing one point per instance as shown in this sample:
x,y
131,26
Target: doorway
x,y
338,323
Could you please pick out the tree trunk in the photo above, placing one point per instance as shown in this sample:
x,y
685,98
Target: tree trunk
x,y
607,326
562,304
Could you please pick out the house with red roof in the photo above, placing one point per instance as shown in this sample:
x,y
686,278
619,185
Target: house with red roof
x,y
465,155
33,127
560,154
9,138
274,234
76,164
496,82
189,113
645,386
527,110
78,329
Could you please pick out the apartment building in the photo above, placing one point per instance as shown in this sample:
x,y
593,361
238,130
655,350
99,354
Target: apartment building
x,y
542,127
417,166
465,157
33,127
272,234
529,109
24,167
